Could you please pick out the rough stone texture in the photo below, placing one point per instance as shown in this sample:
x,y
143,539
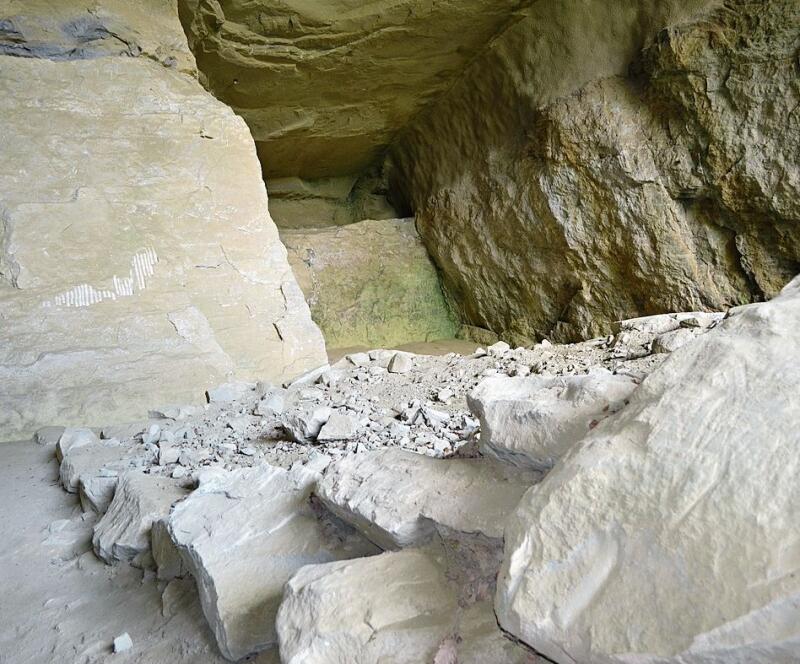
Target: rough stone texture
x,y
337,201
395,608
100,459
585,170
397,498
481,641
534,421
349,74
88,29
167,558
668,536
138,261
124,531
243,534
370,283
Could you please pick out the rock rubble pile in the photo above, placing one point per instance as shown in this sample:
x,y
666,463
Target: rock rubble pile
x,y
363,511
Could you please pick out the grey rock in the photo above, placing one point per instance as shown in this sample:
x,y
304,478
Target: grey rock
x,y
243,534
124,530
401,363
340,426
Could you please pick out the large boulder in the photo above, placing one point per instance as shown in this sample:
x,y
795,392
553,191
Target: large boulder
x,y
396,608
398,498
668,535
534,421
138,260
242,535
139,500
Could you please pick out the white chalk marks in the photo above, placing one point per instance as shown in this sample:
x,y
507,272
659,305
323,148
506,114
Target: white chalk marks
x,y
84,295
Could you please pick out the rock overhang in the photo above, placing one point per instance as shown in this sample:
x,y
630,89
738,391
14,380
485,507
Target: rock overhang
x,y
324,87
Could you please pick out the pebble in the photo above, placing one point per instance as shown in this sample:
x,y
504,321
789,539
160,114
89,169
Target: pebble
x,y
123,643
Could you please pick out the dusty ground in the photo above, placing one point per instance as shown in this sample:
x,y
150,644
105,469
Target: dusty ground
x,y
60,604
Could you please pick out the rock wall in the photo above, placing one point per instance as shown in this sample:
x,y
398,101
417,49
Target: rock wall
x,y
594,165
138,261
370,283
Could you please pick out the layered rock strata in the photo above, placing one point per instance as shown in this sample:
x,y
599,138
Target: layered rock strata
x,y
137,256
570,179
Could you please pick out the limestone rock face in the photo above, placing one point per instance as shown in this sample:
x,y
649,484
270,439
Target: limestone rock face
x,y
398,498
349,74
341,612
534,421
138,261
370,283
242,535
667,535
570,179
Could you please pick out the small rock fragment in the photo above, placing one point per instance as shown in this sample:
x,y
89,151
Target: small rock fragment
x,y
123,643
401,363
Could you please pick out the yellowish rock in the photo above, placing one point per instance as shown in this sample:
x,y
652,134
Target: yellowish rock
x,y
138,261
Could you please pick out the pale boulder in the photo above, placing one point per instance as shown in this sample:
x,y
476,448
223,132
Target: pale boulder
x,y
668,536
395,608
101,459
398,498
533,421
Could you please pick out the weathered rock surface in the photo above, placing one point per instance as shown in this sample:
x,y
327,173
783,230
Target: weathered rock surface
x,y
349,75
398,498
73,439
167,558
667,535
102,459
395,608
370,284
138,260
139,500
534,421
89,29
243,534
606,160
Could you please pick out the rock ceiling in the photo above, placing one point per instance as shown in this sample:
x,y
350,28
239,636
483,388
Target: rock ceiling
x,y
325,86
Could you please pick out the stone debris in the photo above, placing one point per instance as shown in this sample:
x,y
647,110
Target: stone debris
x,y
74,438
139,500
534,421
672,341
123,643
229,392
683,502
101,459
306,426
397,498
166,557
378,451
341,612
243,534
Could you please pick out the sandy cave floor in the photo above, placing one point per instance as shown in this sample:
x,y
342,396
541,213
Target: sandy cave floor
x,y
60,604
